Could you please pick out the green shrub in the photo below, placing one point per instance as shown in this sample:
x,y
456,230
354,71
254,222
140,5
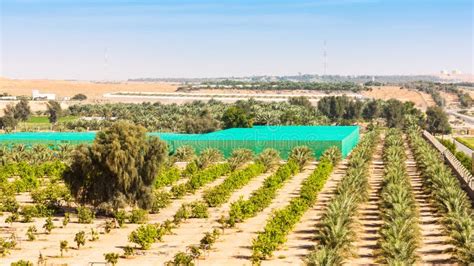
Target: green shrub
x,y
161,199
282,221
111,258
80,239
218,195
145,235
179,191
66,219
48,225
22,263
181,258
199,210
31,233
138,216
85,215
120,216
262,197
167,177
63,246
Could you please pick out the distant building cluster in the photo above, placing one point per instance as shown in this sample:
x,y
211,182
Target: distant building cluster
x,y
36,95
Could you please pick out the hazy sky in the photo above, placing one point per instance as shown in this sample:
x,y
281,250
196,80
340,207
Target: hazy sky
x,y
120,39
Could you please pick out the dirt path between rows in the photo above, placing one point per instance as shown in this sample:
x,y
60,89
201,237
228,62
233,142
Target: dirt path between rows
x,y
369,217
301,239
434,247
234,246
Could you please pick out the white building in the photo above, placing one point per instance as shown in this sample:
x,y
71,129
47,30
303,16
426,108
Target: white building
x,y
36,95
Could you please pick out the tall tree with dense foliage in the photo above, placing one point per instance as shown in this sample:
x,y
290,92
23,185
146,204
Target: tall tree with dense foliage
x,y
22,110
54,111
8,120
236,117
394,113
119,168
437,120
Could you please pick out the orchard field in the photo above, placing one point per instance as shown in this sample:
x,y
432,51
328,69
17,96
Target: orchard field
x,y
391,201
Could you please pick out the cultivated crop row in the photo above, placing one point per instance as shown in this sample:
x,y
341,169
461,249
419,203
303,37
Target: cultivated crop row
x,y
335,234
451,201
282,221
400,232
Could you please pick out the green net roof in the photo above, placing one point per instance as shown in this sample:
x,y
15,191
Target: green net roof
x,y
268,133
258,138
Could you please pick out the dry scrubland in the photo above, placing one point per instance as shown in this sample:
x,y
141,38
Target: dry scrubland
x,y
420,99
95,91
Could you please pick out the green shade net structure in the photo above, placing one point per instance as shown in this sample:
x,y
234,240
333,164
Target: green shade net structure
x,y
257,138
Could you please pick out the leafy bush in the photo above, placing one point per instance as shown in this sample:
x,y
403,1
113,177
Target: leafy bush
x,y
145,235
80,239
167,177
283,220
179,191
199,210
138,216
51,196
205,176
48,225
22,263
181,258
85,215
218,195
63,246
120,217
262,197
36,211
161,200
111,258
31,233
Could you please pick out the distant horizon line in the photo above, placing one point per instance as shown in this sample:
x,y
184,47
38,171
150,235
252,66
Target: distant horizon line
x,y
438,75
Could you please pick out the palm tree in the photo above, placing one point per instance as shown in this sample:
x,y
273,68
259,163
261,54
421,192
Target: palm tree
x,y
240,157
269,158
301,155
209,156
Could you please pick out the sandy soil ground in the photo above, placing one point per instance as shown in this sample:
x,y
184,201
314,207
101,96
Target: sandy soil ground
x,y
369,215
452,100
421,100
301,239
434,249
93,90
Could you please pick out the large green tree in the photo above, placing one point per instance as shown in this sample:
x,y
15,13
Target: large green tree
x,y
8,120
437,120
22,110
53,109
236,117
119,168
394,113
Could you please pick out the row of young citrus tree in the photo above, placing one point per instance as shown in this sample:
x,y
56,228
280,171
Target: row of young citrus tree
x,y
400,232
259,199
335,234
450,199
145,235
282,221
